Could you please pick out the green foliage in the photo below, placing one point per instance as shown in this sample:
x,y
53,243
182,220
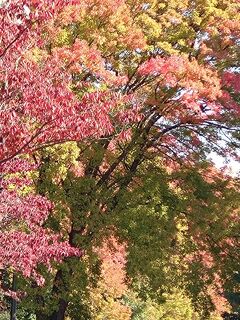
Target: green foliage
x,y
4,315
176,306
174,221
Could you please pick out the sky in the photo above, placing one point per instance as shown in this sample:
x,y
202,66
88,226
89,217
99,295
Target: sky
x,y
220,162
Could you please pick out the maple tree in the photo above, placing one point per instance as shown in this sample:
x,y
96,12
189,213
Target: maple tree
x,y
37,109
109,110
24,242
107,296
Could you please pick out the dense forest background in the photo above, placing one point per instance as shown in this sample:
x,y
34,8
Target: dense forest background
x,y
110,205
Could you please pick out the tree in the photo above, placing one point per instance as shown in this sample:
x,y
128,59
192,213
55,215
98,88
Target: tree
x,y
107,296
118,126
37,109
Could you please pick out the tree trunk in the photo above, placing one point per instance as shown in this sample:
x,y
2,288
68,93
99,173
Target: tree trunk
x,y
59,289
60,313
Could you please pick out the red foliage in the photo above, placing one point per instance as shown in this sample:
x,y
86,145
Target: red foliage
x,y
37,108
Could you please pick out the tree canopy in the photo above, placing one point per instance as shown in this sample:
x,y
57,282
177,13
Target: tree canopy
x,y
110,204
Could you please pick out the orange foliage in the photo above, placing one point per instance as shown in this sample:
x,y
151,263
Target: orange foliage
x,y
106,297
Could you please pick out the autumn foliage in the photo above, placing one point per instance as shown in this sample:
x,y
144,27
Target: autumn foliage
x,y
110,112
